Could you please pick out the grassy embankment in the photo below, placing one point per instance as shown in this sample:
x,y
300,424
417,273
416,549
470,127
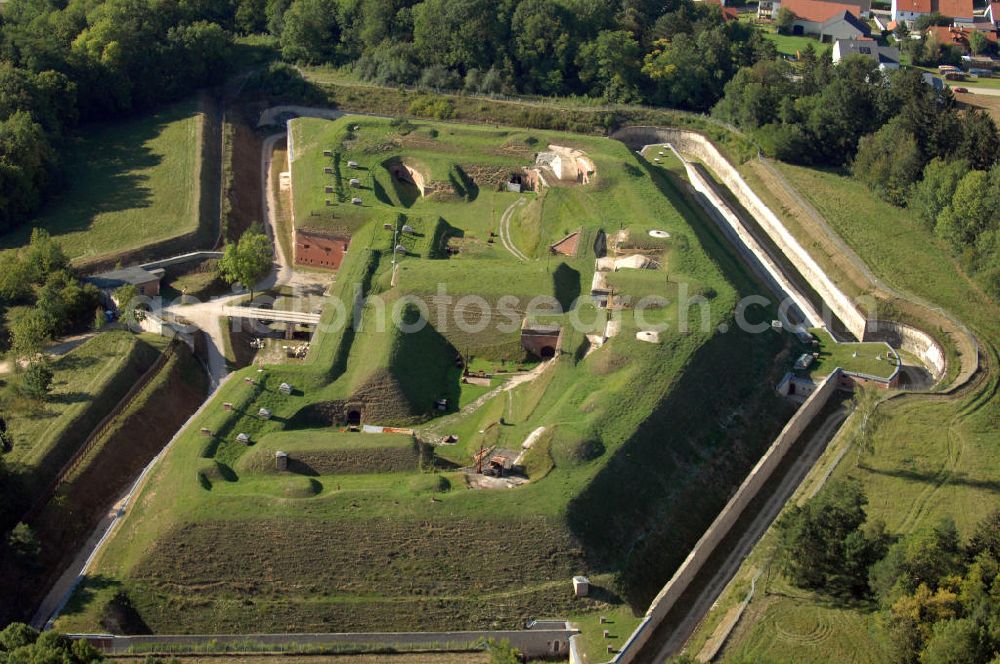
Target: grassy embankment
x,y
87,384
932,457
416,550
128,185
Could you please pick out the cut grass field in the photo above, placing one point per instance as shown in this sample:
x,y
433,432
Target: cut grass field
x,y
215,544
128,184
872,359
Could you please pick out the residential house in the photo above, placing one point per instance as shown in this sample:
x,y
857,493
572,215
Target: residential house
x,y
956,36
910,10
728,13
827,20
886,56
993,14
769,8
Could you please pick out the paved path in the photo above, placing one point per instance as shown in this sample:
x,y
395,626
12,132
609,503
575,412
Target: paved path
x,y
67,583
671,641
505,238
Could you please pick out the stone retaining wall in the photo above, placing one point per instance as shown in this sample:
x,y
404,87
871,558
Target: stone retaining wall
x,y
533,643
701,148
911,340
716,532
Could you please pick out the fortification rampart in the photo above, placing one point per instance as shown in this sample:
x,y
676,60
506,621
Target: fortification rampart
x,y
716,532
696,145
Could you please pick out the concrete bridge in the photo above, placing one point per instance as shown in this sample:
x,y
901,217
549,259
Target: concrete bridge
x,y
290,318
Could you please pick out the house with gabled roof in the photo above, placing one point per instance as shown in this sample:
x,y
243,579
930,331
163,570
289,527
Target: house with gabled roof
x,y
910,10
993,14
886,56
827,20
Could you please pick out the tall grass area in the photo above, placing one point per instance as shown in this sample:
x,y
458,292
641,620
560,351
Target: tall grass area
x,y
127,185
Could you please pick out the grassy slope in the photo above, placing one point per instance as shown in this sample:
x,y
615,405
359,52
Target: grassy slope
x,y
127,185
932,459
435,542
87,383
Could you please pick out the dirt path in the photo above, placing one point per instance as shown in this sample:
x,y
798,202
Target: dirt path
x,y
519,379
505,238
62,347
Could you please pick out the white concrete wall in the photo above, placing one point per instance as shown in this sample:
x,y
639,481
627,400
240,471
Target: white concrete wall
x,y
701,148
912,340
750,249
716,532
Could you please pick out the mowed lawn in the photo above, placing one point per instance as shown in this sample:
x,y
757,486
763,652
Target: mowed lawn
x,y
126,185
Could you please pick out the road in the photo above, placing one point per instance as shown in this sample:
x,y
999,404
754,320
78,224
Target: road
x,y
505,238
671,643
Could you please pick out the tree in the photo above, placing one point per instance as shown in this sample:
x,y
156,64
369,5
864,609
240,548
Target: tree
x,y
785,20
608,66
501,652
310,31
969,214
28,333
955,642
980,142
21,644
822,544
754,96
99,321
248,261
888,162
129,305
37,380
937,187
978,43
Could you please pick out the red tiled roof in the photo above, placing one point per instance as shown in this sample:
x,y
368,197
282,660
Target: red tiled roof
x,y
958,36
818,10
953,8
918,6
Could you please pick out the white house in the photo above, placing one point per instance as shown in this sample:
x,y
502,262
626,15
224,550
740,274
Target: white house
x,y
886,56
910,10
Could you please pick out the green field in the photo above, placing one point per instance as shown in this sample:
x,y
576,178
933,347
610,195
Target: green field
x,y
793,44
931,458
872,359
370,531
127,185
88,382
